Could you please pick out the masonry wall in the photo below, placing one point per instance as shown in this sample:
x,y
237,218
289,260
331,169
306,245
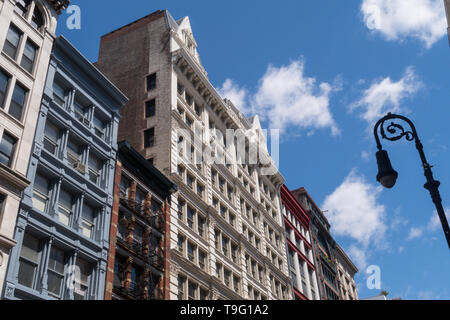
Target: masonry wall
x,y
146,48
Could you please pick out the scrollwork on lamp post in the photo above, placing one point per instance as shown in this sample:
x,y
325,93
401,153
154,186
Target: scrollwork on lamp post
x,y
387,176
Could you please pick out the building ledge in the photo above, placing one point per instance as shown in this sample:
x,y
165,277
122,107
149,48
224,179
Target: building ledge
x,y
16,179
7,242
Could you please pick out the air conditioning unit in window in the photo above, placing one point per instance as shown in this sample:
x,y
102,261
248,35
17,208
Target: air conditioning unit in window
x,y
79,167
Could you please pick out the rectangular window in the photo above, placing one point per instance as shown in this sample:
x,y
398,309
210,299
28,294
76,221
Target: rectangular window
x,y
29,56
18,102
55,271
124,187
180,243
40,193
234,253
149,138
225,242
150,108
180,212
65,207
232,219
190,217
4,81
22,7
190,181
29,261
95,168
191,252
219,270
151,82
7,149
227,277
200,190
81,280
204,294
216,239
59,94
99,127
236,282
189,99
181,285
201,226
51,137
192,291
87,224
12,41
74,154
202,259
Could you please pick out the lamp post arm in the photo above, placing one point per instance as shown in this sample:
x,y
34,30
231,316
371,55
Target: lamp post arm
x,y
397,132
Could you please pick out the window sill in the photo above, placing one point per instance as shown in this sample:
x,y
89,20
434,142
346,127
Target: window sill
x,y
29,75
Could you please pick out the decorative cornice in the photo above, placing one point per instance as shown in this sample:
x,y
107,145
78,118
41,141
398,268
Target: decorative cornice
x,y
59,5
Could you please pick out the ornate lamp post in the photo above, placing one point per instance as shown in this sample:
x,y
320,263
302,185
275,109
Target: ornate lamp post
x,y
387,176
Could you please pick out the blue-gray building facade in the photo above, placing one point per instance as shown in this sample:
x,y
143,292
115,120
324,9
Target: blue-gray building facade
x,y
62,229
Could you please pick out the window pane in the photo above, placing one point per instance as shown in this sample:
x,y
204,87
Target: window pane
x,y
37,21
12,41
81,279
58,94
56,261
4,79
7,147
99,127
151,82
30,248
54,283
17,102
27,271
150,108
149,138
22,7
65,199
88,213
29,55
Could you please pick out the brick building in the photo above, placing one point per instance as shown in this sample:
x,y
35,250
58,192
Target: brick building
x,y
227,234
139,251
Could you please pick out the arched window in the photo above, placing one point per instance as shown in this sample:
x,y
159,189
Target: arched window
x,y
22,7
37,21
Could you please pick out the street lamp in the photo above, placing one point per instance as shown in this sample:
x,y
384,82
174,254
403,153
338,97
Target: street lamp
x,y
387,176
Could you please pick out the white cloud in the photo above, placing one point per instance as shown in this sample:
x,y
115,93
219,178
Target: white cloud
x,y
236,94
435,222
397,20
401,249
385,96
358,256
353,211
414,233
286,97
433,225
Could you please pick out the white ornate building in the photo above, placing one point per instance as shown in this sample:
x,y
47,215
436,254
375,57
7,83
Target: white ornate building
x,y
227,233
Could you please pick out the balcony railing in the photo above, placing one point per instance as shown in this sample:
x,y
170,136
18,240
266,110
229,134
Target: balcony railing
x,y
153,217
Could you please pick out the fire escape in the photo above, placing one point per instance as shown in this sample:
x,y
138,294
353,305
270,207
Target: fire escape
x,y
143,282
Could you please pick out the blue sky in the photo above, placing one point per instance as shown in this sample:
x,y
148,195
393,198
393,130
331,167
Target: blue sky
x,y
323,72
